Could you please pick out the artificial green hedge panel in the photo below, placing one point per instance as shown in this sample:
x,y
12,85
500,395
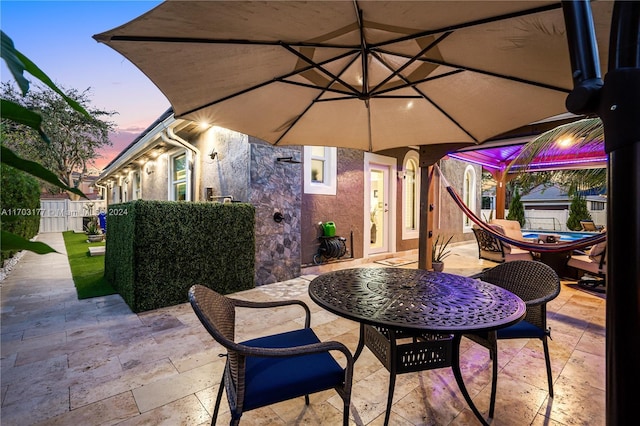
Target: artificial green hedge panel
x,y
156,250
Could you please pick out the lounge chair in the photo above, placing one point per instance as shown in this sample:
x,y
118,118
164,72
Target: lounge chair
x,y
593,263
496,250
590,226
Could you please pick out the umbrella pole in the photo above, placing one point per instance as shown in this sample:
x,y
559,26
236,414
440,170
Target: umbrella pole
x,y
617,102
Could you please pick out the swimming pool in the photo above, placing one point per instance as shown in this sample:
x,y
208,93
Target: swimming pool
x,y
564,235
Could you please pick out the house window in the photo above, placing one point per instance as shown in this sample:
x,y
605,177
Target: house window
x,y
469,195
136,186
179,181
124,183
320,170
410,196
597,205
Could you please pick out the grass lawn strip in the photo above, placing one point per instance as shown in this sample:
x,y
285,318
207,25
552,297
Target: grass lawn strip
x,y
87,271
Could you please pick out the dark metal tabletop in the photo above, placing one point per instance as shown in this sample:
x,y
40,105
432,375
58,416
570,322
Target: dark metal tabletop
x,y
416,299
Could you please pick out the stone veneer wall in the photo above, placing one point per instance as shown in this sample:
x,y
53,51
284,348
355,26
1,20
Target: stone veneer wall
x,y
276,186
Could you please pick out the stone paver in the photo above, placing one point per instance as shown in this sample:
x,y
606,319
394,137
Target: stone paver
x,y
88,362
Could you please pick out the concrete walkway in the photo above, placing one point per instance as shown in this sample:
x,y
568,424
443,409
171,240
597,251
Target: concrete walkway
x,y
93,362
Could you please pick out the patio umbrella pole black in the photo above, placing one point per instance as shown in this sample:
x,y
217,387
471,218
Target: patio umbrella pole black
x,y
617,102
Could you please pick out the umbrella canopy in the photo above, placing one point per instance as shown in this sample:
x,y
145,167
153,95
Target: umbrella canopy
x,y
368,75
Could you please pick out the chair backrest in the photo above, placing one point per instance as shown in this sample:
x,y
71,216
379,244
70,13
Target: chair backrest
x,y
486,241
588,225
598,253
510,228
534,282
216,313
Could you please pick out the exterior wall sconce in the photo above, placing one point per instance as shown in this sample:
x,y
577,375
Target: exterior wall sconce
x,y
213,154
149,170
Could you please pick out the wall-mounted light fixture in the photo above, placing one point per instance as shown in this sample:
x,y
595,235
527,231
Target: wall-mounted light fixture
x,y
149,170
213,154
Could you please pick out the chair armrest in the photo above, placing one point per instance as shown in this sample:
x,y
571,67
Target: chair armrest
x,y
542,300
273,304
295,350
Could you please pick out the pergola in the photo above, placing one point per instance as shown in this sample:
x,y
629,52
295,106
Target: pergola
x,y
495,157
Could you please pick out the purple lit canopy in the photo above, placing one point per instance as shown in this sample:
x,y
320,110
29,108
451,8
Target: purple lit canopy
x,y
500,155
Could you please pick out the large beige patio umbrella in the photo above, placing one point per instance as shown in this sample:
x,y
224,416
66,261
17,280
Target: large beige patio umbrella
x,y
369,75
374,75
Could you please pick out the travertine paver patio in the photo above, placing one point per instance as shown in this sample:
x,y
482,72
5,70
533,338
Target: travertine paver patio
x,y
90,362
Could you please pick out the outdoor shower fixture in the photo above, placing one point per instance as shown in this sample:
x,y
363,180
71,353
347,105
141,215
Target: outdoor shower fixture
x,y
288,160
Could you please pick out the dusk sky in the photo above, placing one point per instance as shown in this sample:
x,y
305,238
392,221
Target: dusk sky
x,y
57,37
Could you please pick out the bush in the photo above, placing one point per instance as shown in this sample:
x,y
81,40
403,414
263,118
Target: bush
x,y
577,211
516,209
20,204
156,250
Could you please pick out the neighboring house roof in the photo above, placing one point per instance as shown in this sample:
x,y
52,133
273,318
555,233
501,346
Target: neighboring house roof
x,y
168,113
557,194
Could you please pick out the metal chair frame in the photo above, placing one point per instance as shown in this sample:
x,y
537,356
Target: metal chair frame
x,y
217,314
536,284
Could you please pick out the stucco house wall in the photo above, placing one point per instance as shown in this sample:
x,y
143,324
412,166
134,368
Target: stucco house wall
x,y
346,208
227,166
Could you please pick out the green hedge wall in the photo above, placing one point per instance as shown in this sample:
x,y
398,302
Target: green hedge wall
x,y
20,204
156,250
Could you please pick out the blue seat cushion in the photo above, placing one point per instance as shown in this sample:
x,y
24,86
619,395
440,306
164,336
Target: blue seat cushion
x,y
270,379
523,329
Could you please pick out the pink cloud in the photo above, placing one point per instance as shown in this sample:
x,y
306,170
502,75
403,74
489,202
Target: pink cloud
x,y
120,140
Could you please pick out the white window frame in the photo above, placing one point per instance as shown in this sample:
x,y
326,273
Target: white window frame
x,y
123,189
469,193
136,184
187,179
330,172
408,234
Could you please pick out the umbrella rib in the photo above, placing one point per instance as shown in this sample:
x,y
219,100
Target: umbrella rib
x,y
364,50
410,61
479,71
416,82
426,98
295,121
265,83
320,68
477,22
312,86
497,75
200,40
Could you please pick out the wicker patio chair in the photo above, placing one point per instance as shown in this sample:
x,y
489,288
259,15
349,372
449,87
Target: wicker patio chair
x,y
536,284
272,368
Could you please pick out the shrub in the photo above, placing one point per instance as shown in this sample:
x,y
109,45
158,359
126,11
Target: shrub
x,y
20,204
156,250
577,211
516,209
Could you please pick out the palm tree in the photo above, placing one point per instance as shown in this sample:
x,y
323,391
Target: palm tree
x,y
586,134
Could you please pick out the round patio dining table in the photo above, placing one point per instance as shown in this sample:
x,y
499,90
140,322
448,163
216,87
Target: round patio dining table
x,y
435,309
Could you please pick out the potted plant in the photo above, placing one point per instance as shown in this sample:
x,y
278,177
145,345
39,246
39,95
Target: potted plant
x,y
93,230
439,253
